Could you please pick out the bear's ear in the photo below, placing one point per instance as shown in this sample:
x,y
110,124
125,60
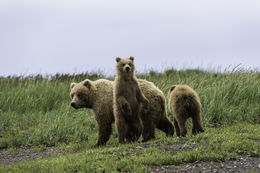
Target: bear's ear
x,y
172,88
118,59
87,83
72,85
132,58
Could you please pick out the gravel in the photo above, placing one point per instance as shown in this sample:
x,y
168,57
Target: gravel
x,y
27,153
241,164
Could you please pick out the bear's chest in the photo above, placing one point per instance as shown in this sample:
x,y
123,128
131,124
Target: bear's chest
x,y
129,91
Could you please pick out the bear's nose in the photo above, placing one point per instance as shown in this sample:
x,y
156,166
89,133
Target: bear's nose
x,y
74,105
127,69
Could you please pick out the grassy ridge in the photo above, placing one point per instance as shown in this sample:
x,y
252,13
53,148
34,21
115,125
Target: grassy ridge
x,y
35,110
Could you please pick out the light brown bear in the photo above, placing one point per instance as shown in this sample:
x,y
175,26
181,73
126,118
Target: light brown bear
x,y
183,103
127,101
98,95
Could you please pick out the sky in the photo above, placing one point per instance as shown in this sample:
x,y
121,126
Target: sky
x,y
74,36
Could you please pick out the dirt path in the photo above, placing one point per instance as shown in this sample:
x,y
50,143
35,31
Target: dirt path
x,y
242,163
27,153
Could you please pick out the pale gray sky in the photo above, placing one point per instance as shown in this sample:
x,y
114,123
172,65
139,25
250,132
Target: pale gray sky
x,y
62,36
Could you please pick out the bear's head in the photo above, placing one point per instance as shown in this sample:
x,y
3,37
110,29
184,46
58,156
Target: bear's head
x,y
125,65
80,94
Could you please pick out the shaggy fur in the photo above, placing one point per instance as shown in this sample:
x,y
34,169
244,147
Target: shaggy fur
x,y
155,115
127,99
98,95
185,103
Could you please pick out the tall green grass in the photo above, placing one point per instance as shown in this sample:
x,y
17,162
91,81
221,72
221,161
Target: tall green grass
x,y
36,110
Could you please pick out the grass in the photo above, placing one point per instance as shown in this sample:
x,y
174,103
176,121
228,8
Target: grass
x,y
35,110
213,145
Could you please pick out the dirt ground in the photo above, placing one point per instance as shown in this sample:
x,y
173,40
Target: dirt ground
x,y
27,153
241,164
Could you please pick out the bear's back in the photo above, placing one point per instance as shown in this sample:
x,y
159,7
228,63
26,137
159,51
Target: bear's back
x,y
185,97
104,95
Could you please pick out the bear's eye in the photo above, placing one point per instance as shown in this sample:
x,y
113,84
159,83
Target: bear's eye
x,y
79,95
123,65
72,95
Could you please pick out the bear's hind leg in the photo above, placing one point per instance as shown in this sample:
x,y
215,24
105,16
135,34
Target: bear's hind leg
x,y
176,127
196,121
149,128
181,124
194,125
166,126
122,129
137,128
148,132
130,136
134,131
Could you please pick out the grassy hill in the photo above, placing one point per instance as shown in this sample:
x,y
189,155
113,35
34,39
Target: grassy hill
x,y
35,111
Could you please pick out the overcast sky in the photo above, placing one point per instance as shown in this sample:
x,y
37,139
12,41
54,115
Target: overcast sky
x,y
62,36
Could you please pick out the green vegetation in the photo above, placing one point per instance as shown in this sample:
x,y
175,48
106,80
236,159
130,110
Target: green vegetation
x,y
213,145
35,110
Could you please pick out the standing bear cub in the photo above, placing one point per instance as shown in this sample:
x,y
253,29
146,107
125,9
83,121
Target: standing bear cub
x,y
184,103
127,101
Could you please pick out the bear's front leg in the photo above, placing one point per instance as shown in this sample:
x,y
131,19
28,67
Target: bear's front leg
x,y
124,106
140,97
104,132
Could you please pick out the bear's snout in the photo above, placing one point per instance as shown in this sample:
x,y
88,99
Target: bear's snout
x,y
127,69
74,105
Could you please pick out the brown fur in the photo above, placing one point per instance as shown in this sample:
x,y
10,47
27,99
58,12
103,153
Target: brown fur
x,y
155,115
127,99
99,97
185,103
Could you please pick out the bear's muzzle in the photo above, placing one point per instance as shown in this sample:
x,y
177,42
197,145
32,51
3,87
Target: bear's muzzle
x,y
74,105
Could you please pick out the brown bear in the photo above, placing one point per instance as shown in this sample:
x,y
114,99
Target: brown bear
x,y
98,95
155,115
183,103
127,101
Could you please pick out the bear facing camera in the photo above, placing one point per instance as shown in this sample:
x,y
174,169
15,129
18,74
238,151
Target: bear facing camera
x,y
128,100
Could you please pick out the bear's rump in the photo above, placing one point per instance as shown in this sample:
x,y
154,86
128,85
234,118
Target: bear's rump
x,y
187,105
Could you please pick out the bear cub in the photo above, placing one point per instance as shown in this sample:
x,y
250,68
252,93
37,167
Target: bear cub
x,y
184,103
127,100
